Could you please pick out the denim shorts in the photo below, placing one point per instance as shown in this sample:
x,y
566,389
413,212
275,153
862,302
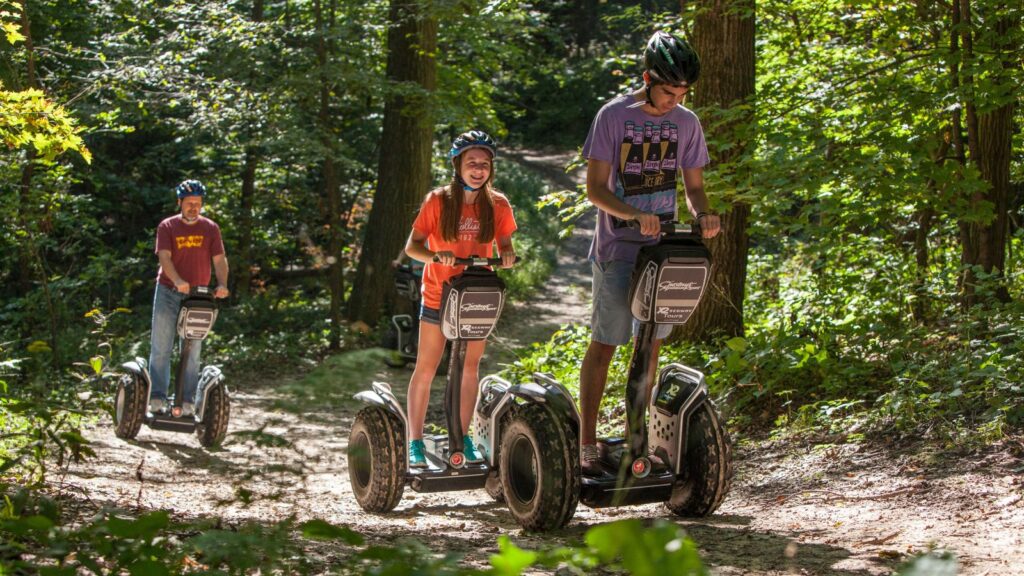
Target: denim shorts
x,y
611,321
430,315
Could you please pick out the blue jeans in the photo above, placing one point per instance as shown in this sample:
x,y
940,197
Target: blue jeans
x,y
166,305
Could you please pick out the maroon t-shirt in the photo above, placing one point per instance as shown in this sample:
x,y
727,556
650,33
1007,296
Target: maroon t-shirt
x,y
191,246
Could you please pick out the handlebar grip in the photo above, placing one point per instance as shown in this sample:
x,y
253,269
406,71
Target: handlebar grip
x,y
477,261
671,227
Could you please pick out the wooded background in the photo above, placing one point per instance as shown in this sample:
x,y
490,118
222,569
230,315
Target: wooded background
x,y
866,159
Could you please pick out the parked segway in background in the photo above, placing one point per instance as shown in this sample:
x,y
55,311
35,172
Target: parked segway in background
x,y
527,433
402,334
212,408
692,470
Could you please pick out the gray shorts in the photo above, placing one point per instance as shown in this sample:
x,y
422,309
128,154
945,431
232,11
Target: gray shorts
x,y
611,322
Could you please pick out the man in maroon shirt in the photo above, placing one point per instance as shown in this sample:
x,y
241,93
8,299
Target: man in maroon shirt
x,y
186,243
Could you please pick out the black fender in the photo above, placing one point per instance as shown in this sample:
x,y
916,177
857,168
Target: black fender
x,y
497,396
380,394
139,368
209,378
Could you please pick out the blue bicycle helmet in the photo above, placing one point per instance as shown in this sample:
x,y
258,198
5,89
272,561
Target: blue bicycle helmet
x,y
472,139
191,188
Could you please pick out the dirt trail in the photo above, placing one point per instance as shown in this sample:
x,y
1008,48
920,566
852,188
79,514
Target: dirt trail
x,y
810,508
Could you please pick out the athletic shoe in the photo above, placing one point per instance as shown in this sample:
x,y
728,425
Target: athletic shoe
x,y
157,405
469,451
590,460
188,409
416,457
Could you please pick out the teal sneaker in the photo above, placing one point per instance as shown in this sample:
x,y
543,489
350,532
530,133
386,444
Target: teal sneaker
x,y
416,457
469,450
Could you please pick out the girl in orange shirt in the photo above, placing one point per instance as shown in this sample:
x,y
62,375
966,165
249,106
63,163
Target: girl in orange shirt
x,y
463,219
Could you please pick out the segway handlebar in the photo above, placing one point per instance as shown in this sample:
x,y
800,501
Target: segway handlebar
x,y
671,227
477,261
204,292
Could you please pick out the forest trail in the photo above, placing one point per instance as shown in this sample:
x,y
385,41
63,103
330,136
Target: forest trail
x,y
818,506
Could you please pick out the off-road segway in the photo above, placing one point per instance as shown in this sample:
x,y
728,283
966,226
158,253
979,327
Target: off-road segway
x,y
402,334
212,409
527,432
691,468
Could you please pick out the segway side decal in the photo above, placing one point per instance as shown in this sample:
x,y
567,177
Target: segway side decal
x,y
679,291
644,295
472,314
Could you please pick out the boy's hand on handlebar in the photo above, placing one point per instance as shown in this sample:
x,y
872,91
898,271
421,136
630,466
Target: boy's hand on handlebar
x,y
508,258
710,225
649,223
182,287
221,292
445,258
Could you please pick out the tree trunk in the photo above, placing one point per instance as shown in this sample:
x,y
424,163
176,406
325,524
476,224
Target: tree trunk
x,y
724,39
243,278
24,277
329,174
989,142
403,174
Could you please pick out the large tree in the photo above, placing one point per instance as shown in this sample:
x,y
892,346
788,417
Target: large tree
x,y
405,149
723,35
989,50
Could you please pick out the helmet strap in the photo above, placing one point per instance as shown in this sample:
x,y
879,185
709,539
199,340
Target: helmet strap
x,y
466,187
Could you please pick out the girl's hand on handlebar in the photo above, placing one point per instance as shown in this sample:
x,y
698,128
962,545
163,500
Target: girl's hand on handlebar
x,y
445,258
649,223
508,258
710,225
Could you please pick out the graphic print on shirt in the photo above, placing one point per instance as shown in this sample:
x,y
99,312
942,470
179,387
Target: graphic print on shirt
x,y
469,229
190,241
647,157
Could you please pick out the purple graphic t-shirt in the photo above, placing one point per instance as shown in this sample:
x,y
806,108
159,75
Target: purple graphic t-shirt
x,y
646,153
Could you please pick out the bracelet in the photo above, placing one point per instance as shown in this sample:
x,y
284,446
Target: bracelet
x,y
701,215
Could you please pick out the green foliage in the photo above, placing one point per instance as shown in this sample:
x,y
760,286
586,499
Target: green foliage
x,y
30,120
933,564
36,539
561,356
536,239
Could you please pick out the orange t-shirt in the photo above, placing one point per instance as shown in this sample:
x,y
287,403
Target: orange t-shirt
x,y
428,223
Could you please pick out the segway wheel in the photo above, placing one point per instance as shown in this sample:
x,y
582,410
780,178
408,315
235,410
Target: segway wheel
x,y
493,488
129,406
707,476
377,459
216,413
539,469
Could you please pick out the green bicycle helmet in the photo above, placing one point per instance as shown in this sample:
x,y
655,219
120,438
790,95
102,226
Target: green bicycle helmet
x,y
671,60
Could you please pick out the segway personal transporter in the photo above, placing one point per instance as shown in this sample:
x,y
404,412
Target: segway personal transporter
x,y
527,433
210,421
691,470
402,335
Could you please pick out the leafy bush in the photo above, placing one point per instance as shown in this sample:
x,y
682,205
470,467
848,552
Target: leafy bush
x,y
36,541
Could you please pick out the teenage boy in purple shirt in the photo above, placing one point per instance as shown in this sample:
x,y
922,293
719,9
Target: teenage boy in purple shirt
x,y
638,147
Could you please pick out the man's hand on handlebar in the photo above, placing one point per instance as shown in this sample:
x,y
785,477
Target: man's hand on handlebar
x,y
649,223
710,225
221,292
182,287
